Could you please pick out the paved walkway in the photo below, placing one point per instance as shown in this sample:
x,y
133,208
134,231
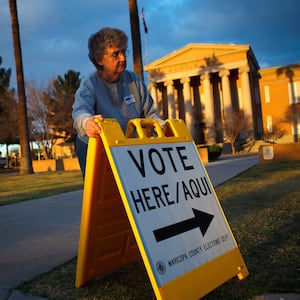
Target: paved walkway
x,y
38,235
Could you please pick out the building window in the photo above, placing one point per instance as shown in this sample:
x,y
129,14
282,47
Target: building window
x,y
267,94
294,92
269,124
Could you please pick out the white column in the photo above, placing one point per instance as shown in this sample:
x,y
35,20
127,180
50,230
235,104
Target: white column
x,y
209,100
224,74
171,100
153,93
209,108
246,91
188,106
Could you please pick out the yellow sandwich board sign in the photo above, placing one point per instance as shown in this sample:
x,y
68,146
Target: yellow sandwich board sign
x,y
177,221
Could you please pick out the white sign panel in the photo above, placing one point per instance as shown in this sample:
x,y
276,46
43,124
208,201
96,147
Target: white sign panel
x,y
174,206
268,152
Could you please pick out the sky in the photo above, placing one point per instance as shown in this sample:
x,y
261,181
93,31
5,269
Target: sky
x,y
54,33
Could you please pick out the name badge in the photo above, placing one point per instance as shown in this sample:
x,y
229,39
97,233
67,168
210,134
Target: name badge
x,y
129,99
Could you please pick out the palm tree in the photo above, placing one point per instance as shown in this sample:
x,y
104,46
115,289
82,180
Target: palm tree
x,y
136,38
26,161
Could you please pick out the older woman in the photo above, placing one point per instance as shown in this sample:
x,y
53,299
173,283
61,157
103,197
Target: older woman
x,y
109,92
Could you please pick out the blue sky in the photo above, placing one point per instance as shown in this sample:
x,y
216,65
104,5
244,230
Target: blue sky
x,y
54,33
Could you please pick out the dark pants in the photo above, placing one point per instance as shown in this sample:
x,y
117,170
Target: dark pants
x,y
81,150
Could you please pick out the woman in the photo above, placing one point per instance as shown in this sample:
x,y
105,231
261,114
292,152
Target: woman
x,y
109,92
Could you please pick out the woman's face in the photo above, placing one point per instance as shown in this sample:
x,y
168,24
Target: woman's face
x,y
113,63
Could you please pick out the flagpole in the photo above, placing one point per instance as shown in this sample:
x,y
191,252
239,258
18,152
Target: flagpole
x,y
147,54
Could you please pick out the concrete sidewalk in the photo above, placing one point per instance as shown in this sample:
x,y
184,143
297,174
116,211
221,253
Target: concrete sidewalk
x,y
38,235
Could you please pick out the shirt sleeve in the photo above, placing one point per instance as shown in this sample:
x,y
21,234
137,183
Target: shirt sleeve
x,y
83,107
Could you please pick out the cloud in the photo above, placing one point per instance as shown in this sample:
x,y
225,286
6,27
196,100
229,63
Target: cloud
x,y
54,33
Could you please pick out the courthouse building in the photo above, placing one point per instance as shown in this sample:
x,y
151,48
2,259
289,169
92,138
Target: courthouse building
x,y
280,99
200,83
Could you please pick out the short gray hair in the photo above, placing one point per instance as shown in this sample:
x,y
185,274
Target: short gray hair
x,y
104,38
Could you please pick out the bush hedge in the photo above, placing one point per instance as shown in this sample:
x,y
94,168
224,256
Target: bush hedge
x,y
214,151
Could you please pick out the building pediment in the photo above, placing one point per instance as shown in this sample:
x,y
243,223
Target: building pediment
x,y
200,58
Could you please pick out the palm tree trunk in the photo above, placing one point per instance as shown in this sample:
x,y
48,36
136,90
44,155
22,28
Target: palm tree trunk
x,y
26,161
136,38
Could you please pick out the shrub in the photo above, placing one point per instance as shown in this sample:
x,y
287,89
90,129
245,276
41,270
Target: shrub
x,y
214,151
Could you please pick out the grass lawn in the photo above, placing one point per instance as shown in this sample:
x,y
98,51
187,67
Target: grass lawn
x,y
262,206
15,187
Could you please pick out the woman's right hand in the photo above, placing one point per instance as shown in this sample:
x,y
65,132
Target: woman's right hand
x,y
92,128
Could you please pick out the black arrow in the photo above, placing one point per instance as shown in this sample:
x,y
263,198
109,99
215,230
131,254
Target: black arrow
x,y
201,220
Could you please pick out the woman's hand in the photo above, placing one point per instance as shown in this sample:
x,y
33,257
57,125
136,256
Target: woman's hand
x,y
92,128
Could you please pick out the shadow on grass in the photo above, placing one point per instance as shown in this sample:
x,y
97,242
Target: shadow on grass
x,y
263,210
38,194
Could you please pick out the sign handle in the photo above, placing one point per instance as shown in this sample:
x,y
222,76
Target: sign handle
x,y
143,128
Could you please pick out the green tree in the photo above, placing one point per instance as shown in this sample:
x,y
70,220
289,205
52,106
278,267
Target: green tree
x,y
4,86
8,112
25,162
60,102
4,79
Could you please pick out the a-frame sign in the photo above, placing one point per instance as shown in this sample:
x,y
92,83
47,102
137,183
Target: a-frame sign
x,y
147,193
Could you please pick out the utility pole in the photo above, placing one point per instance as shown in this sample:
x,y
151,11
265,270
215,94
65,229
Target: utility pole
x,y
136,38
